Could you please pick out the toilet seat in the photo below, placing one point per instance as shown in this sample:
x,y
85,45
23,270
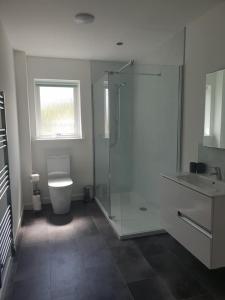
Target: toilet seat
x,y
60,182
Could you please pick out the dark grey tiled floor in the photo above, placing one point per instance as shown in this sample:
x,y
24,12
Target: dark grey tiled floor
x,y
77,256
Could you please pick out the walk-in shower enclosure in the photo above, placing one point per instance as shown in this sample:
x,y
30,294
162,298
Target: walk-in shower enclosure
x,y
136,137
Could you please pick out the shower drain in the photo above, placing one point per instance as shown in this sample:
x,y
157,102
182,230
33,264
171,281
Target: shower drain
x,y
143,208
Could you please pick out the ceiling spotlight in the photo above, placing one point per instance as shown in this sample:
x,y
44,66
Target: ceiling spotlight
x,y
119,43
84,18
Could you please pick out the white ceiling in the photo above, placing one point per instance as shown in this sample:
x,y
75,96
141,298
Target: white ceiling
x,y
47,27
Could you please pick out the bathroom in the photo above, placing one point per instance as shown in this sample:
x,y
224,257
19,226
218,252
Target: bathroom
x,y
91,198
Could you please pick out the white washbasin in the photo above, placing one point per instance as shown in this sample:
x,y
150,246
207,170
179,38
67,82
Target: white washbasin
x,y
203,184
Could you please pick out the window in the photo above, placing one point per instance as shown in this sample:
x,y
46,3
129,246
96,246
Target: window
x,y
58,113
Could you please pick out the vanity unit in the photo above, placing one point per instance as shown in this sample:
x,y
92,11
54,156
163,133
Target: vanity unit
x,y
193,212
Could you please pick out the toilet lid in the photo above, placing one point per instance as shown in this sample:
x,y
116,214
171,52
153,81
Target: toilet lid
x,y
60,182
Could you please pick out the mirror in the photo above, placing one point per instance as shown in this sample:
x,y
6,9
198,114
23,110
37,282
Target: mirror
x,y
214,124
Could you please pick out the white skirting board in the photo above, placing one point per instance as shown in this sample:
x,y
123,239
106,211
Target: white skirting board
x,y
16,237
46,200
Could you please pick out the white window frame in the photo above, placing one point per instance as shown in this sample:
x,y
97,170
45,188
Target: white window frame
x,y
77,107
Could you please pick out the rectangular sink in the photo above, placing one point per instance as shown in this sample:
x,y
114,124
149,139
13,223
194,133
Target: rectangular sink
x,y
203,184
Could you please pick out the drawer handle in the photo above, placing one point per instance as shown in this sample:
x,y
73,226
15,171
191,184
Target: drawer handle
x,y
194,224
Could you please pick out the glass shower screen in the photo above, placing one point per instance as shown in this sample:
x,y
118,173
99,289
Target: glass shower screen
x,y
101,143
136,139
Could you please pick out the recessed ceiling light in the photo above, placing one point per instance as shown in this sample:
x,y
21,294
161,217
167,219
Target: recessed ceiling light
x,y
84,18
119,43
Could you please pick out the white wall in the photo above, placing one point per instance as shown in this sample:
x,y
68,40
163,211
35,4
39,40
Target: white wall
x,y
80,151
24,123
205,53
34,153
7,83
169,53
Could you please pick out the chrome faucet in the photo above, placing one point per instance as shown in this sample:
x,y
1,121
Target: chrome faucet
x,y
217,172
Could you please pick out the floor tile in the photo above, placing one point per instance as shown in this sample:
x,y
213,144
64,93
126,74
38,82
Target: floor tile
x,y
185,257
182,285
132,263
110,293
203,297
65,297
101,258
84,226
30,290
106,282
211,280
33,263
35,235
156,244
67,270
150,289
104,275
62,239
91,244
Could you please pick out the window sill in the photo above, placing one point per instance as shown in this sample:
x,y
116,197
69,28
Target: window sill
x,y
59,139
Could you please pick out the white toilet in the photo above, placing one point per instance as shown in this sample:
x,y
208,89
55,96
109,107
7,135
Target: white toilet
x,y
59,183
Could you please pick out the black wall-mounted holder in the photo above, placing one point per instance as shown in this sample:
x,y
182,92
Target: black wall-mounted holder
x,y
197,167
193,167
201,168
7,247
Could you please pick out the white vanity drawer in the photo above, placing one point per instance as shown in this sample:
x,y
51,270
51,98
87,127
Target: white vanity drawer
x,y
179,199
192,238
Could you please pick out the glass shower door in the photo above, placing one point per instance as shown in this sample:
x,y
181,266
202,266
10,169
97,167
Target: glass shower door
x,y
144,142
121,143
101,143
